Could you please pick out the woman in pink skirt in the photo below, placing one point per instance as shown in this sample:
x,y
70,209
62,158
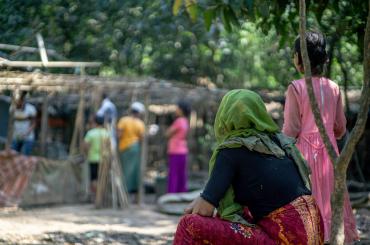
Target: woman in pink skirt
x,y
299,123
177,149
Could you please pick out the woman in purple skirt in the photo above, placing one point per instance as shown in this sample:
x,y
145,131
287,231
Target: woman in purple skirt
x,y
177,149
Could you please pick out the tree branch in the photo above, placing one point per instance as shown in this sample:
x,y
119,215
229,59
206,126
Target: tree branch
x,y
308,78
337,227
345,78
357,131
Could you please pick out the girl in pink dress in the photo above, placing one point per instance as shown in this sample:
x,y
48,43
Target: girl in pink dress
x,y
299,123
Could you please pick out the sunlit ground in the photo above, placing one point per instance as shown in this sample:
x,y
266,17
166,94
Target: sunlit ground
x,y
83,224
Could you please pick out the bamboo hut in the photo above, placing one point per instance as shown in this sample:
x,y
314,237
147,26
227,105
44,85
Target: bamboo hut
x,y
58,98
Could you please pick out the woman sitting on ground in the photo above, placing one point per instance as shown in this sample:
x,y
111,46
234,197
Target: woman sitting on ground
x,y
258,183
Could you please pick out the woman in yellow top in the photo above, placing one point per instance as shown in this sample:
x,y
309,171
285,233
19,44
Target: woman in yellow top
x,y
130,130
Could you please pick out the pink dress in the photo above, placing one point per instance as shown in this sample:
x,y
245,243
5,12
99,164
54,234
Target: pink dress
x,y
300,123
177,144
177,156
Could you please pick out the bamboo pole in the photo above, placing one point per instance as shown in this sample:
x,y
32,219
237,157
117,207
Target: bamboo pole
x,y
50,64
144,149
113,156
9,138
78,121
103,177
27,49
43,54
44,124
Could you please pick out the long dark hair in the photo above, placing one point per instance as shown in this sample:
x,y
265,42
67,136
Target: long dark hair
x,y
316,48
184,107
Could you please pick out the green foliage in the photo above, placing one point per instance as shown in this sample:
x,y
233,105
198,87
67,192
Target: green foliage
x,y
190,5
176,7
342,17
206,143
337,19
137,37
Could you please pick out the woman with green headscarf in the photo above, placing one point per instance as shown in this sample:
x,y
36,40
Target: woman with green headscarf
x,y
258,191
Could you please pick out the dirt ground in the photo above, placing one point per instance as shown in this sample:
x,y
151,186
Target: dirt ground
x,y
83,224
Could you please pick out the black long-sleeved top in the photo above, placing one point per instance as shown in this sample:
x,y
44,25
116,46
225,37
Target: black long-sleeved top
x,y
261,182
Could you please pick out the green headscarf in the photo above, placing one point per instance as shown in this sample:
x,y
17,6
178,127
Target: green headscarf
x,y
242,120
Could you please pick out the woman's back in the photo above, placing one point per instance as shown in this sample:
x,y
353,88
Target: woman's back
x,y
299,123
299,120
261,182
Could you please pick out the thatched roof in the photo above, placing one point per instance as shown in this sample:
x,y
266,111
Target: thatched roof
x,y
124,90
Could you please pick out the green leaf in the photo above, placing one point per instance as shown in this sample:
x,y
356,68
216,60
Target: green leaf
x,y
209,15
247,11
234,20
264,9
225,16
249,4
176,7
192,9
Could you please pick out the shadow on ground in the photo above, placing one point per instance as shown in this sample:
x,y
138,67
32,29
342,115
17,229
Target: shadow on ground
x,y
95,237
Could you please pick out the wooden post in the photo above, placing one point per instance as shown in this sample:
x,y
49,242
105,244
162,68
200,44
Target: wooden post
x,y
113,157
96,98
144,149
56,64
78,121
9,138
82,116
26,49
78,132
103,179
44,124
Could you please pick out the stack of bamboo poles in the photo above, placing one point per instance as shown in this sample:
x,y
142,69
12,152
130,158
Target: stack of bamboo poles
x,y
110,174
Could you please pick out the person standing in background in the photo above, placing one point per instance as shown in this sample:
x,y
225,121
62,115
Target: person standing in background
x,y
108,112
130,132
177,149
299,123
24,126
93,143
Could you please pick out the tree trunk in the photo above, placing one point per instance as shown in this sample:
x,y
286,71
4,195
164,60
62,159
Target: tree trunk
x,y
308,78
333,44
346,154
341,162
345,79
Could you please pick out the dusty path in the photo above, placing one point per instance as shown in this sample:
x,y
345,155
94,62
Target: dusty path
x,y
82,224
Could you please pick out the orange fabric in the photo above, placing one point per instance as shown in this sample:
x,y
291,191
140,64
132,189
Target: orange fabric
x,y
132,129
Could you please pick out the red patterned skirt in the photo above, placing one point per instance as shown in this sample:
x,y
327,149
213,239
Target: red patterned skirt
x,y
298,222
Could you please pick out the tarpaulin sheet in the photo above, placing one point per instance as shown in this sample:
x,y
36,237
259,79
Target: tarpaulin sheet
x,y
15,172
